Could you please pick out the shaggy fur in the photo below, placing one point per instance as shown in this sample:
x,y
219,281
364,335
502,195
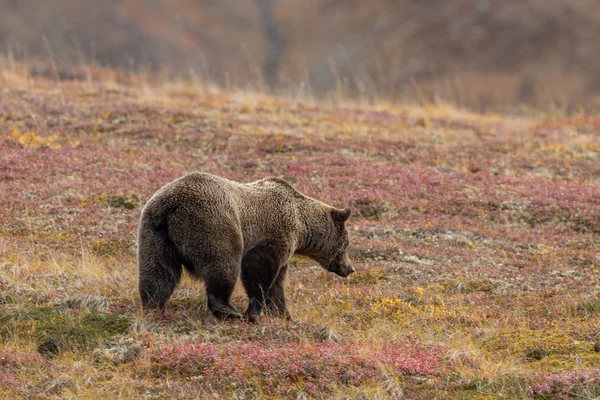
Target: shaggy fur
x,y
218,229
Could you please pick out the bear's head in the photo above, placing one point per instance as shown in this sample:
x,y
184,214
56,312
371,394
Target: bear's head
x,y
334,257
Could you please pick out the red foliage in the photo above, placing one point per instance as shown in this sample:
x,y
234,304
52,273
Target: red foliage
x,y
8,381
279,368
11,362
564,384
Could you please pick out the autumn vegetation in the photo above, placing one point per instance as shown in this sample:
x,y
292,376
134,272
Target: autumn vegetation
x,y
475,239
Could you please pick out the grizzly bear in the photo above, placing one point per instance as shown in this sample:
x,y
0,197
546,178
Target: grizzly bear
x,y
219,229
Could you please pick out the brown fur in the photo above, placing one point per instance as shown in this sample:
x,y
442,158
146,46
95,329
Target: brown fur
x,y
218,229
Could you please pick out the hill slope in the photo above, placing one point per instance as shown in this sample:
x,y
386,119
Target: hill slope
x,y
475,52
475,238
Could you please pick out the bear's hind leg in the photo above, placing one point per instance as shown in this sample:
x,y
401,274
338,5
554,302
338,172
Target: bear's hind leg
x,y
211,251
159,269
156,291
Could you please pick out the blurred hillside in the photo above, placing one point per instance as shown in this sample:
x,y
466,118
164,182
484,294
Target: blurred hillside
x,y
478,53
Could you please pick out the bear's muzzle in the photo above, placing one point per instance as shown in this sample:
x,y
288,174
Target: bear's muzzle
x,y
344,271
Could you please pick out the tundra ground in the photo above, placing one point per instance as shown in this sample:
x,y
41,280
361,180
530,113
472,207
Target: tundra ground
x,y
475,238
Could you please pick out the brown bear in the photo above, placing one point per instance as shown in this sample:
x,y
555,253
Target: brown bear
x,y
218,229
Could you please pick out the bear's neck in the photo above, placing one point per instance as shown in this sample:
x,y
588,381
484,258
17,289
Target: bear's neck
x,y
312,230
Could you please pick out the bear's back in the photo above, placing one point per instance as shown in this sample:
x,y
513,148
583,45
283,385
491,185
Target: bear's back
x,y
204,193
267,207
200,186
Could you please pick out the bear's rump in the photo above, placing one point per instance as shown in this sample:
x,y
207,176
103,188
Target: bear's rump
x,y
205,239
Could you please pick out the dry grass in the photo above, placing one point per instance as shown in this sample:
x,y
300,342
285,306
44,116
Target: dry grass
x,y
479,54
475,237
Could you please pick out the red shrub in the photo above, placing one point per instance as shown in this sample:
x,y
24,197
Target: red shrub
x,y
281,368
564,384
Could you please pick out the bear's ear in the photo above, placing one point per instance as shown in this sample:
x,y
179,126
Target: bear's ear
x,y
341,215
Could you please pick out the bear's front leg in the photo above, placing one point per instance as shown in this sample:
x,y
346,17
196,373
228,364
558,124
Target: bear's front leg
x,y
270,297
219,288
256,290
275,301
259,270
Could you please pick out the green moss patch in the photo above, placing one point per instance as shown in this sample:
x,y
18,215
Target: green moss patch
x,y
63,328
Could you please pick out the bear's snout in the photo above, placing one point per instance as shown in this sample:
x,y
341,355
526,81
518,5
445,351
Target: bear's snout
x,y
345,271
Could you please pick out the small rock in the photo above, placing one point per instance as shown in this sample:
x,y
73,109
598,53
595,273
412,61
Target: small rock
x,y
536,354
301,396
58,385
97,303
122,353
325,334
49,347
